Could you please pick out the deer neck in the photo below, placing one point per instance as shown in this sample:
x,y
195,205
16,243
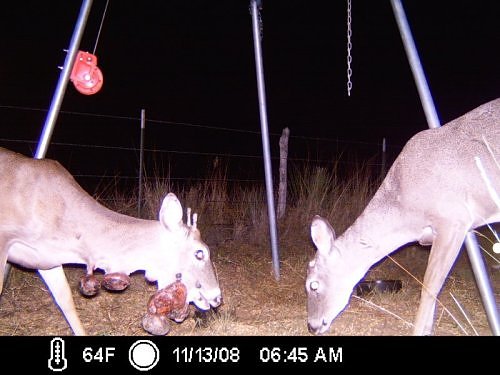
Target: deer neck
x,y
120,243
378,231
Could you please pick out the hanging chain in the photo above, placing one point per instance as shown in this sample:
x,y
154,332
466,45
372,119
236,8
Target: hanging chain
x,y
349,48
100,27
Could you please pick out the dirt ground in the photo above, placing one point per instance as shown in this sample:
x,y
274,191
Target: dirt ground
x,y
255,303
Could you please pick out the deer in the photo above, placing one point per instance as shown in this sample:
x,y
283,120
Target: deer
x,y
433,194
48,220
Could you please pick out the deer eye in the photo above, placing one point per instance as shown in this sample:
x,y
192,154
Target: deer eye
x,y
199,254
314,285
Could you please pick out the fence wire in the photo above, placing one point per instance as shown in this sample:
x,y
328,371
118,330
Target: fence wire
x,y
102,149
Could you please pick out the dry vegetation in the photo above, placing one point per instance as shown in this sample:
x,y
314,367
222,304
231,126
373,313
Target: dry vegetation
x,y
234,223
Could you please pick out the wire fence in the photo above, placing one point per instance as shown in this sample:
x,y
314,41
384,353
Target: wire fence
x,y
103,150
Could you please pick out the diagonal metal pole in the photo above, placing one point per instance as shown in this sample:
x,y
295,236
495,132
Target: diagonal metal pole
x,y
254,9
473,250
55,105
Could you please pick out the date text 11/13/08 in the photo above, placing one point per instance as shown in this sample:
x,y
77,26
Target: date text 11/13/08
x,y
272,354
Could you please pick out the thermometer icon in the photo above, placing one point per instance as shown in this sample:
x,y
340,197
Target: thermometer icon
x,y
57,360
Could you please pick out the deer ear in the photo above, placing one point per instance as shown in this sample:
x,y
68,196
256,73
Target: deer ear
x,y
322,234
171,212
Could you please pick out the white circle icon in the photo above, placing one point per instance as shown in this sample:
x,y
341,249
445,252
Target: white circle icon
x,y
496,247
143,355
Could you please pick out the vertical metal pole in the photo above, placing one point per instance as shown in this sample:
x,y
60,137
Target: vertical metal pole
x,y
483,282
473,251
265,136
55,105
141,161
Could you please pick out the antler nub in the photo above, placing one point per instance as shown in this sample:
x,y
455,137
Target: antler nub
x,y
191,220
195,220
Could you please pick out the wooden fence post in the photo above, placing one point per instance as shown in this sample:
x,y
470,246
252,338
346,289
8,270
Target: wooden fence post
x,y
383,160
283,172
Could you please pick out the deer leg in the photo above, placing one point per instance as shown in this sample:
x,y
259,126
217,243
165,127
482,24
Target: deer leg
x,y
4,269
58,285
444,252
4,266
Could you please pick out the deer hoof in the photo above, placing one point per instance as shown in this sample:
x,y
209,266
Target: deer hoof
x,y
89,285
156,324
116,281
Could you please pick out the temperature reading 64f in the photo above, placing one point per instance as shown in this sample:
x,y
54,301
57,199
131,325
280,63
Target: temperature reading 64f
x,y
101,354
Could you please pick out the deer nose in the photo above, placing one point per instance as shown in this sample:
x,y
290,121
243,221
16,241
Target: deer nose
x,y
316,330
217,300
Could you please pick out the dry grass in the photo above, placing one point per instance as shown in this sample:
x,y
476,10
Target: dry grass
x,y
234,223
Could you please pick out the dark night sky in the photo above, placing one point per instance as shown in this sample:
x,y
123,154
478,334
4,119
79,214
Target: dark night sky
x,y
193,61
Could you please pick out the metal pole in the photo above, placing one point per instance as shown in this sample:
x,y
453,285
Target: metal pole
x,y
55,105
141,161
416,65
473,251
483,282
265,135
